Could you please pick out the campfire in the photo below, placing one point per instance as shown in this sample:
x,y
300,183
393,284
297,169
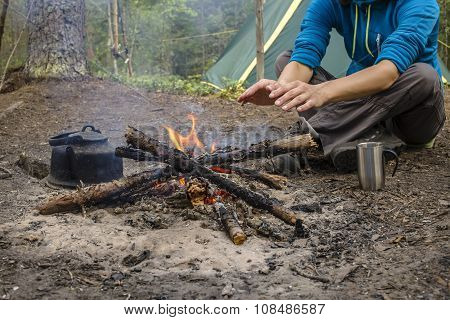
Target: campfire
x,y
201,172
190,144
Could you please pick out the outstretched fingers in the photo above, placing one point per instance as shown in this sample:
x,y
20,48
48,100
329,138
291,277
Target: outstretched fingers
x,y
250,92
295,102
283,89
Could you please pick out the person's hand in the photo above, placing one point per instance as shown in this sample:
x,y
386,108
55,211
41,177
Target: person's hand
x,y
258,93
298,95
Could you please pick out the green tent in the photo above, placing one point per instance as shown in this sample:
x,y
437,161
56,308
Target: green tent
x,y
281,25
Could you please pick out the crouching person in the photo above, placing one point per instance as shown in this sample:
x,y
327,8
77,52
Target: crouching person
x,y
393,91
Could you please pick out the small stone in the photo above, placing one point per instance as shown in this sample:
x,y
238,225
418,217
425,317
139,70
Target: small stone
x,y
444,203
130,210
349,205
264,271
228,291
15,288
339,208
118,211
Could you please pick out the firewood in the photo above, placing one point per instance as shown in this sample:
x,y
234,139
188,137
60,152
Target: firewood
x,y
270,180
252,198
101,193
197,191
182,163
264,149
230,224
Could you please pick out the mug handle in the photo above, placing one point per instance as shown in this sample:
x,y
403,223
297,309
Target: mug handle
x,y
397,159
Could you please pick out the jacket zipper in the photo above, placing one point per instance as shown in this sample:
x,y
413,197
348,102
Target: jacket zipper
x,y
379,43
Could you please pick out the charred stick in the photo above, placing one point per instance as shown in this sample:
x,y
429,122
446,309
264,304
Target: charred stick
x,y
183,164
100,193
230,224
270,180
264,149
136,154
252,198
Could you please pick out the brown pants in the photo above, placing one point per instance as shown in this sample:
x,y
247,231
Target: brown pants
x,y
414,105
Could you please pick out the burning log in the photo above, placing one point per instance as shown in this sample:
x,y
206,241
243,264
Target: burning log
x,y
252,198
230,224
101,193
197,191
257,151
270,180
183,164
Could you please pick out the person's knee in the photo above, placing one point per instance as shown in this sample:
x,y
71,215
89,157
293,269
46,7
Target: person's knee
x,y
282,61
426,74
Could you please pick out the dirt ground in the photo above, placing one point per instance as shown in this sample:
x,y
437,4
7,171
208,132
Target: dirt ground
x,y
391,244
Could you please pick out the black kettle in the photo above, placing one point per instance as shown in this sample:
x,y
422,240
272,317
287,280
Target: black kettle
x,y
83,158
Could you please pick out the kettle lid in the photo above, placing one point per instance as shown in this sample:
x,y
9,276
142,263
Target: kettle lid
x,y
78,137
85,136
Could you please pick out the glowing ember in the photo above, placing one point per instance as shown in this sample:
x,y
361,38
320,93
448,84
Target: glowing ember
x,y
190,141
210,200
213,148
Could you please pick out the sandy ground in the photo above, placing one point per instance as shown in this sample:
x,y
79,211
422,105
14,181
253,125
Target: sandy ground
x,y
391,244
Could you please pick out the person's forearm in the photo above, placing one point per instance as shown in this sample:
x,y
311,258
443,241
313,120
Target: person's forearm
x,y
295,71
363,83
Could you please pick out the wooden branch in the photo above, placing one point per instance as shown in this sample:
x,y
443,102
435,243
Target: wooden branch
x,y
270,180
101,193
230,224
136,154
183,164
252,198
261,150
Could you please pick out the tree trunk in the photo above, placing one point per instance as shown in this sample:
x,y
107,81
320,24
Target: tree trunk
x,y
111,38
115,23
125,37
446,36
124,21
56,39
2,20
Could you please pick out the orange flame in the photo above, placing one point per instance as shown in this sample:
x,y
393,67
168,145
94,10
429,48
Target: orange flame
x,y
183,143
213,148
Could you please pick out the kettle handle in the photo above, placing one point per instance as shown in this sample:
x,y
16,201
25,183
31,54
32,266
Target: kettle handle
x,y
89,126
397,159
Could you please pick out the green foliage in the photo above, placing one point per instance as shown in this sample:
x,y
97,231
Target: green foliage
x,y
171,84
192,85
232,90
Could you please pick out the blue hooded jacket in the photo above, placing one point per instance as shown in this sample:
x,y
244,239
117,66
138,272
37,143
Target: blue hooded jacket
x,y
401,31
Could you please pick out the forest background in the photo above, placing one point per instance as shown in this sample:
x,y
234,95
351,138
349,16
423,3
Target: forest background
x,y
172,43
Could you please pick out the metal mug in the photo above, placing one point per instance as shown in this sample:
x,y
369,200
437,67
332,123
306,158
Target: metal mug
x,y
371,160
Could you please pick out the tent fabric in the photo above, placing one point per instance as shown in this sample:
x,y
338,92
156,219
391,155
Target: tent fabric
x,y
238,60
